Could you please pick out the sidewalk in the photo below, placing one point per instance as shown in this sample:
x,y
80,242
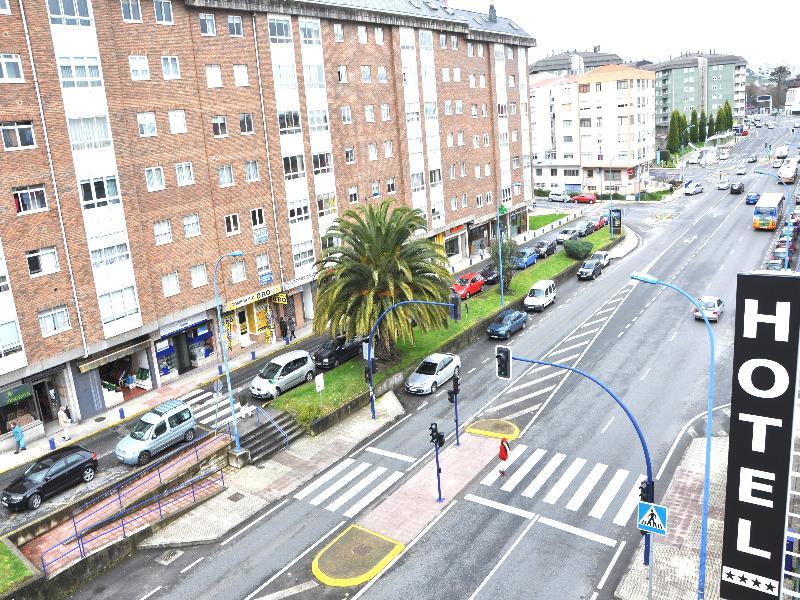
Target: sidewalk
x,y
141,404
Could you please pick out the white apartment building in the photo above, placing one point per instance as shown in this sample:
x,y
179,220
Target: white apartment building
x,y
593,132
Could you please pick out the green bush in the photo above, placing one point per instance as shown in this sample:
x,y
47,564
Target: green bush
x,y
578,249
541,192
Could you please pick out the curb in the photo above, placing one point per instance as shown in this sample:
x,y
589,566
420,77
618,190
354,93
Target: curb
x,y
476,429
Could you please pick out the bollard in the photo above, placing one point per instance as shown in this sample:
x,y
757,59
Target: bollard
x,y
52,444
252,355
470,261
219,370
121,413
452,268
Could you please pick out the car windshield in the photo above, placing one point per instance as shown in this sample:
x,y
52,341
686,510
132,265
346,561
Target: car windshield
x,y
507,319
708,303
536,293
542,245
38,470
588,264
462,281
597,256
140,429
270,371
566,231
331,344
426,367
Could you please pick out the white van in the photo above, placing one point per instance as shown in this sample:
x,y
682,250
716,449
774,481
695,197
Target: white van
x,y
541,295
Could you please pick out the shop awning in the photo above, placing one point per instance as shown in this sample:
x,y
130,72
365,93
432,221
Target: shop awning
x,y
93,363
43,374
15,395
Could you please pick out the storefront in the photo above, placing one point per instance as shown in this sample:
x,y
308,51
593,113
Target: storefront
x,y
249,320
478,236
18,405
517,221
455,243
184,345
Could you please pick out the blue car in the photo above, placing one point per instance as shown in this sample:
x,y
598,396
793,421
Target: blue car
x,y
752,198
525,258
506,323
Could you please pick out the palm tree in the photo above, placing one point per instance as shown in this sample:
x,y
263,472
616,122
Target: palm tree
x,y
377,263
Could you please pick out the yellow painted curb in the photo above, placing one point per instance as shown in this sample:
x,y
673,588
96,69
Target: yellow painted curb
x,y
476,429
364,577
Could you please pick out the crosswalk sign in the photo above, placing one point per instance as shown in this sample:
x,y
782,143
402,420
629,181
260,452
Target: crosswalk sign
x,y
652,518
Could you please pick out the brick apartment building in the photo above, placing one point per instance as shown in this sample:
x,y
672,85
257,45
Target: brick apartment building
x,y
144,139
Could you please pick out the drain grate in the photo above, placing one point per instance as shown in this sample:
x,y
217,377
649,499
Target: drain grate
x,y
236,496
169,557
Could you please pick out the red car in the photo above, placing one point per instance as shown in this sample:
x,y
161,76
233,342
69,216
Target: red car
x,y
585,198
599,221
468,285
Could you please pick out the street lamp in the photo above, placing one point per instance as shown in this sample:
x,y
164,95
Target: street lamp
x,y
788,227
650,279
235,253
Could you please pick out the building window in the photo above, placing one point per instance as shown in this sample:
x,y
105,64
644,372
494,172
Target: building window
x,y
89,132
232,224
391,187
280,31
298,210
139,67
453,203
163,11
480,50
435,177
155,178
219,126
17,135
463,169
225,175
366,73
42,262
251,173
69,12
342,73
322,163
450,140
234,30
318,119
487,169
294,167
309,33
383,74
184,174
326,204
460,138
111,255
349,155
29,199
347,115
379,36
352,194
515,162
479,201
246,124
208,26
417,182
289,122
456,75
514,135
147,124
191,225
162,230
477,171
372,152
376,188
489,198
454,42
54,320
442,41
314,76
213,76
622,84
177,121
170,67
388,149
338,32
284,76
459,107
476,141
369,113
257,222
362,34
238,271
262,266
512,81
470,49
99,192
79,71
385,115
303,253
240,76
170,284
445,74
199,275
412,112
131,11
430,110
118,304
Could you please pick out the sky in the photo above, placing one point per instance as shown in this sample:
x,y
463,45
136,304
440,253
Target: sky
x,y
629,28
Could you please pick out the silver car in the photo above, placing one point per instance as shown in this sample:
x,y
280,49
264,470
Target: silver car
x,y
432,372
158,429
281,374
567,234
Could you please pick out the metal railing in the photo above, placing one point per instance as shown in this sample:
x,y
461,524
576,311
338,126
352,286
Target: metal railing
x,y
278,427
163,503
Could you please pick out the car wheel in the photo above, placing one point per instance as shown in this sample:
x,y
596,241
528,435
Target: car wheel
x,y
522,326
594,276
309,376
335,362
456,372
277,392
88,474
144,458
188,436
34,502
466,296
433,387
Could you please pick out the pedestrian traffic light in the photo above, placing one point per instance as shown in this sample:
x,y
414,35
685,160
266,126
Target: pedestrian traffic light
x,y
456,384
366,373
434,429
440,439
503,356
455,308
647,491
451,396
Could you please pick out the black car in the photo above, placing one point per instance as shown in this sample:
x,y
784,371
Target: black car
x,y
545,248
737,188
584,228
48,476
336,351
490,275
590,269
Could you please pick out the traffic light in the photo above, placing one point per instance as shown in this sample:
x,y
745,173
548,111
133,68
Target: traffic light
x,y
456,384
366,370
503,356
647,491
434,429
451,396
440,439
455,309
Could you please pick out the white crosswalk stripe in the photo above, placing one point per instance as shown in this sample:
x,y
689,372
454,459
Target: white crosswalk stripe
x,y
515,453
208,412
602,504
586,487
544,475
630,504
569,475
520,473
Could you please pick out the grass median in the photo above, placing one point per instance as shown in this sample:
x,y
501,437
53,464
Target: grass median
x,y
12,569
345,382
537,221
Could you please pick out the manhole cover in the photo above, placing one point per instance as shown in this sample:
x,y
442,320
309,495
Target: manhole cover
x,y
169,556
361,549
98,419
236,496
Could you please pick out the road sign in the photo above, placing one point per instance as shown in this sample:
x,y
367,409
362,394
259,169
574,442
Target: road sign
x,y
652,518
265,278
319,382
502,209
280,298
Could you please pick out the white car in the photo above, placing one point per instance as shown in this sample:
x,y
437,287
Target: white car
x,y
281,374
602,257
432,372
558,197
712,308
741,170
777,163
692,188
723,184
770,126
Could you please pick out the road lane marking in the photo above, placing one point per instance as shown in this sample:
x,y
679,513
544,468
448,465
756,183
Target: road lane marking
x,y
611,566
603,502
646,373
630,503
633,320
567,349
628,325
421,406
674,333
295,589
485,360
566,479
544,475
513,510
199,560
403,457
150,593
313,486
527,384
254,522
594,322
494,474
520,473
605,310
472,370
620,334
385,431
589,535
727,412
374,493
586,487
524,411
680,435
569,339
440,393
351,493
611,420
339,484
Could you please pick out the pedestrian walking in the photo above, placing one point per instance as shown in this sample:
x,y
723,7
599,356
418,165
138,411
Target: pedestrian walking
x,y
504,450
64,421
282,326
292,326
19,437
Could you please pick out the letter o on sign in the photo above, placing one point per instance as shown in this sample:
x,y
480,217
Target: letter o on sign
x,y
745,377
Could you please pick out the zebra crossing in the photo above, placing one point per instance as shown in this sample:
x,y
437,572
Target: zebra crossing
x,y
579,485
208,412
350,485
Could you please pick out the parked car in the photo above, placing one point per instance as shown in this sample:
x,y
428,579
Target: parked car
x,y
723,184
692,188
779,253
712,308
599,221
590,269
741,170
432,372
770,125
490,275
541,295
51,474
752,198
558,197
777,163
781,242
585,198
525,258
336,351
567,234
545,248
506,323
737,187
161,427
774,264
468,285
602,257
584,228
281,374
752,158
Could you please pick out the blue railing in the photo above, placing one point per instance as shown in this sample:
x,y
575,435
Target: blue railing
x,y
191,487
278,427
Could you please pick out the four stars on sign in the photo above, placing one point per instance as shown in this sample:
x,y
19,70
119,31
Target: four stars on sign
x,y
756,583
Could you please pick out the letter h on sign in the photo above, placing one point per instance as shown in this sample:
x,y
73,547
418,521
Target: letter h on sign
x,y
759,455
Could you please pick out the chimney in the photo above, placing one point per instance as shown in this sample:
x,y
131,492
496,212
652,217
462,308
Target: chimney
x,y
596,49
492,14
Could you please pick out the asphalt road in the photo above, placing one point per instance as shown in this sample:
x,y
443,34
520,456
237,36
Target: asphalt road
x,y
645,346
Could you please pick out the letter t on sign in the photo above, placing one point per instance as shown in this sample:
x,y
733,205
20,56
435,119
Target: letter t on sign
x,y
760,425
